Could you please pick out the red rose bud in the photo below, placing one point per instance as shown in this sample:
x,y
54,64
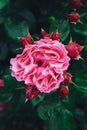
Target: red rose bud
x,y
63,91
67,78
1,83
26,40
55,36
44,34
74,17
74,50
75,3
31,91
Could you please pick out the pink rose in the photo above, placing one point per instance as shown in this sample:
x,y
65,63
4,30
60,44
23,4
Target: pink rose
x,y
41,64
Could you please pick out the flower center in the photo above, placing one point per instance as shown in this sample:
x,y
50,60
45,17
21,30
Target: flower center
x,y
39,62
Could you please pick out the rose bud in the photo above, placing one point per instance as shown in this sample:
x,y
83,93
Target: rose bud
x,y
1,83
63,91
74,17
26,40
75,3
31,91
74,50
55,36
67,78
44,34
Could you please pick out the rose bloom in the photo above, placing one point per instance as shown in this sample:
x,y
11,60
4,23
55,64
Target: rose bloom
x,y
41,64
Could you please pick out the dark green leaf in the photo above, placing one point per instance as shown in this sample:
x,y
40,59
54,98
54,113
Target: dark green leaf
x,y
81,82
47,108
80,29
85,47
37,100
52,124
84,17
11,83
63,28
15,29
10,86
5,95
17,102
3,3
27,15
65,121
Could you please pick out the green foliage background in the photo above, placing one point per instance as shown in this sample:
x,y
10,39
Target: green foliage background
x,y
46,112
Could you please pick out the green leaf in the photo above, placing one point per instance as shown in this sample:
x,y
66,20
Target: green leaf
x,y
37,100
85,47
81,82
80,29
65,121
51,124
30,18
10,86
47,108
63,28
17,102
15,29
3,3
5,95
84,17
11,83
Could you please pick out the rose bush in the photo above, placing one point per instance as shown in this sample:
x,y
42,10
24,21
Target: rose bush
x,y
43,64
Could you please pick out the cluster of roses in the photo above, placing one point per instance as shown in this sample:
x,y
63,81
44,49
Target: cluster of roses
x,y
43,64
74,17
